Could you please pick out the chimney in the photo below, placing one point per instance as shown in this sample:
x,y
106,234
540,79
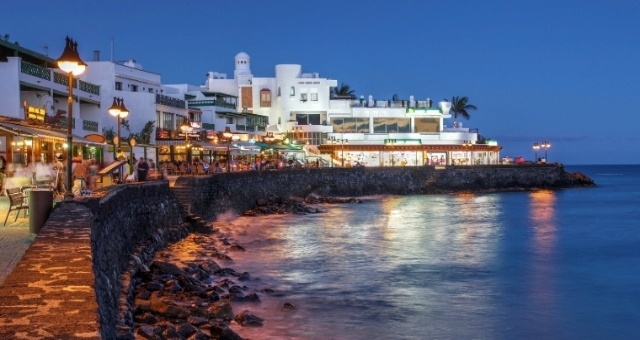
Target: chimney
x,y
96,55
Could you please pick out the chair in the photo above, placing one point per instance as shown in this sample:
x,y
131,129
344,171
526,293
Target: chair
x,y
199,170
16,203
182,170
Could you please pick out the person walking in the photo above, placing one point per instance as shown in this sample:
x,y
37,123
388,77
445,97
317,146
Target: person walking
x,y
143,169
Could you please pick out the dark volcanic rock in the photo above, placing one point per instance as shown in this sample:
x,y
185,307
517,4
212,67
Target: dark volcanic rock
x,y
246,319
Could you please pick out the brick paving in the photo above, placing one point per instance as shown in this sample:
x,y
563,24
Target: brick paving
x,y
15,239
49,293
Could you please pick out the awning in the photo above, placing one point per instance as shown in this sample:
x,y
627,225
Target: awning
x,y
170,142
279,146
47,135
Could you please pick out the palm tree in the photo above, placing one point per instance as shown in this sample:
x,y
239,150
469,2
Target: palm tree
x,y
460,107
343,91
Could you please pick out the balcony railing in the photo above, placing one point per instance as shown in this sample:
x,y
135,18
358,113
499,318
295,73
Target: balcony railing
x,y
89,125
58,78
170,101
89,88
212,102
35,70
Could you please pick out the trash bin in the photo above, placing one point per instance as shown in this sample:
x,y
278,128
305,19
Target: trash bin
x,y
40,206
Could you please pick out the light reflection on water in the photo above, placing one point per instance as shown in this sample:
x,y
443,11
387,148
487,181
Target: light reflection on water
x,y
393,268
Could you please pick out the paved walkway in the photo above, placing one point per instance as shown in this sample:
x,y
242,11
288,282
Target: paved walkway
x,y
15,239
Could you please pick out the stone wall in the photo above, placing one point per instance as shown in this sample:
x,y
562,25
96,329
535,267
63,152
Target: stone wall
x,y
128,225
237,192
72,280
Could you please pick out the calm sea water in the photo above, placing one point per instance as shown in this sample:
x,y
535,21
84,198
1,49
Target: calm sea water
x,y
525,265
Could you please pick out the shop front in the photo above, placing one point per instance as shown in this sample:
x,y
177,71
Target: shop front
x,y
29,153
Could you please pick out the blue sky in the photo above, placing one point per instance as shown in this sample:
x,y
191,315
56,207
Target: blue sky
x,y
560,71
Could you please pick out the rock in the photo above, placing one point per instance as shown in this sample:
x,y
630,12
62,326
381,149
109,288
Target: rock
x,y
146,332
167,268
187,330
196,320
244,277
288,306
246,319
221,310
236,247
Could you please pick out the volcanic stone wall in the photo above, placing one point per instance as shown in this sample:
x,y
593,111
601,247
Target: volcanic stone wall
x,y
136,220
77,271
237,192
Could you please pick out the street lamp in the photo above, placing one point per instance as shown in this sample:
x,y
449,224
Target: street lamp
x,y
342,143
227,135
536,147
70,63
186,129
545,145
118,110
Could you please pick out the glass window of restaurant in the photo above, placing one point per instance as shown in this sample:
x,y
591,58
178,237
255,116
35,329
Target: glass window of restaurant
x,y
167,121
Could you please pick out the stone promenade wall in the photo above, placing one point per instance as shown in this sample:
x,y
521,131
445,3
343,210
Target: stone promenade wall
x,y
237,192
73,277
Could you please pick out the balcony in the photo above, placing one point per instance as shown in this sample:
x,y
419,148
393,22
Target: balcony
x,y
58,78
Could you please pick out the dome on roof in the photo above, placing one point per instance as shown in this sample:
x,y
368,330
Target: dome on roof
x,y
242,55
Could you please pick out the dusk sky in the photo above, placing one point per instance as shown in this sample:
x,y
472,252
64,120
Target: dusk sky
x,y
557,71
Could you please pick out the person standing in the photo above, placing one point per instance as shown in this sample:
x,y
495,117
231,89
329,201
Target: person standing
x,y
143,169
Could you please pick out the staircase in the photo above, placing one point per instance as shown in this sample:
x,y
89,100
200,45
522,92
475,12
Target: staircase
x,y
183,194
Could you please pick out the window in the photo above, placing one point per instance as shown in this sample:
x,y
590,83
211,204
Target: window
x,y
278,91
150,90
265,98
314,97
391,125
351,125
308,119
118,86
167,120
292,91
134,88
303,97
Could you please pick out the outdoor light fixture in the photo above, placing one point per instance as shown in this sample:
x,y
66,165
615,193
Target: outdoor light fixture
x,y
227,135
269,137
70,63
545,145
536,147
119,111
186,129
342,143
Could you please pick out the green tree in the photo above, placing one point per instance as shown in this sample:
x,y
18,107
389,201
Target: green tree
x,y
343,91
460,107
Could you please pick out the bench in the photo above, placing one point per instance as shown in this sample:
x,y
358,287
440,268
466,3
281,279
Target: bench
x,y
16,203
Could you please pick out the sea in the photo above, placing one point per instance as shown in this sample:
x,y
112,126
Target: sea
x,y
545,264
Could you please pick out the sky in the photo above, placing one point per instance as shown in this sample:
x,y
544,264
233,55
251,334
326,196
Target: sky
x,y
556,71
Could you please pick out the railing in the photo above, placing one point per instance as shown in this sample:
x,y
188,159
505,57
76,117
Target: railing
x,y
89,88
208,126
63,122
170,101
89,125
35,70
212,102
58,78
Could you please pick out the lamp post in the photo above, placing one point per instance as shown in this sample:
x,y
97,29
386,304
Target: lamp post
x,y
119,111
536,147
545,145
186,129
70,63
227,135
342,143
